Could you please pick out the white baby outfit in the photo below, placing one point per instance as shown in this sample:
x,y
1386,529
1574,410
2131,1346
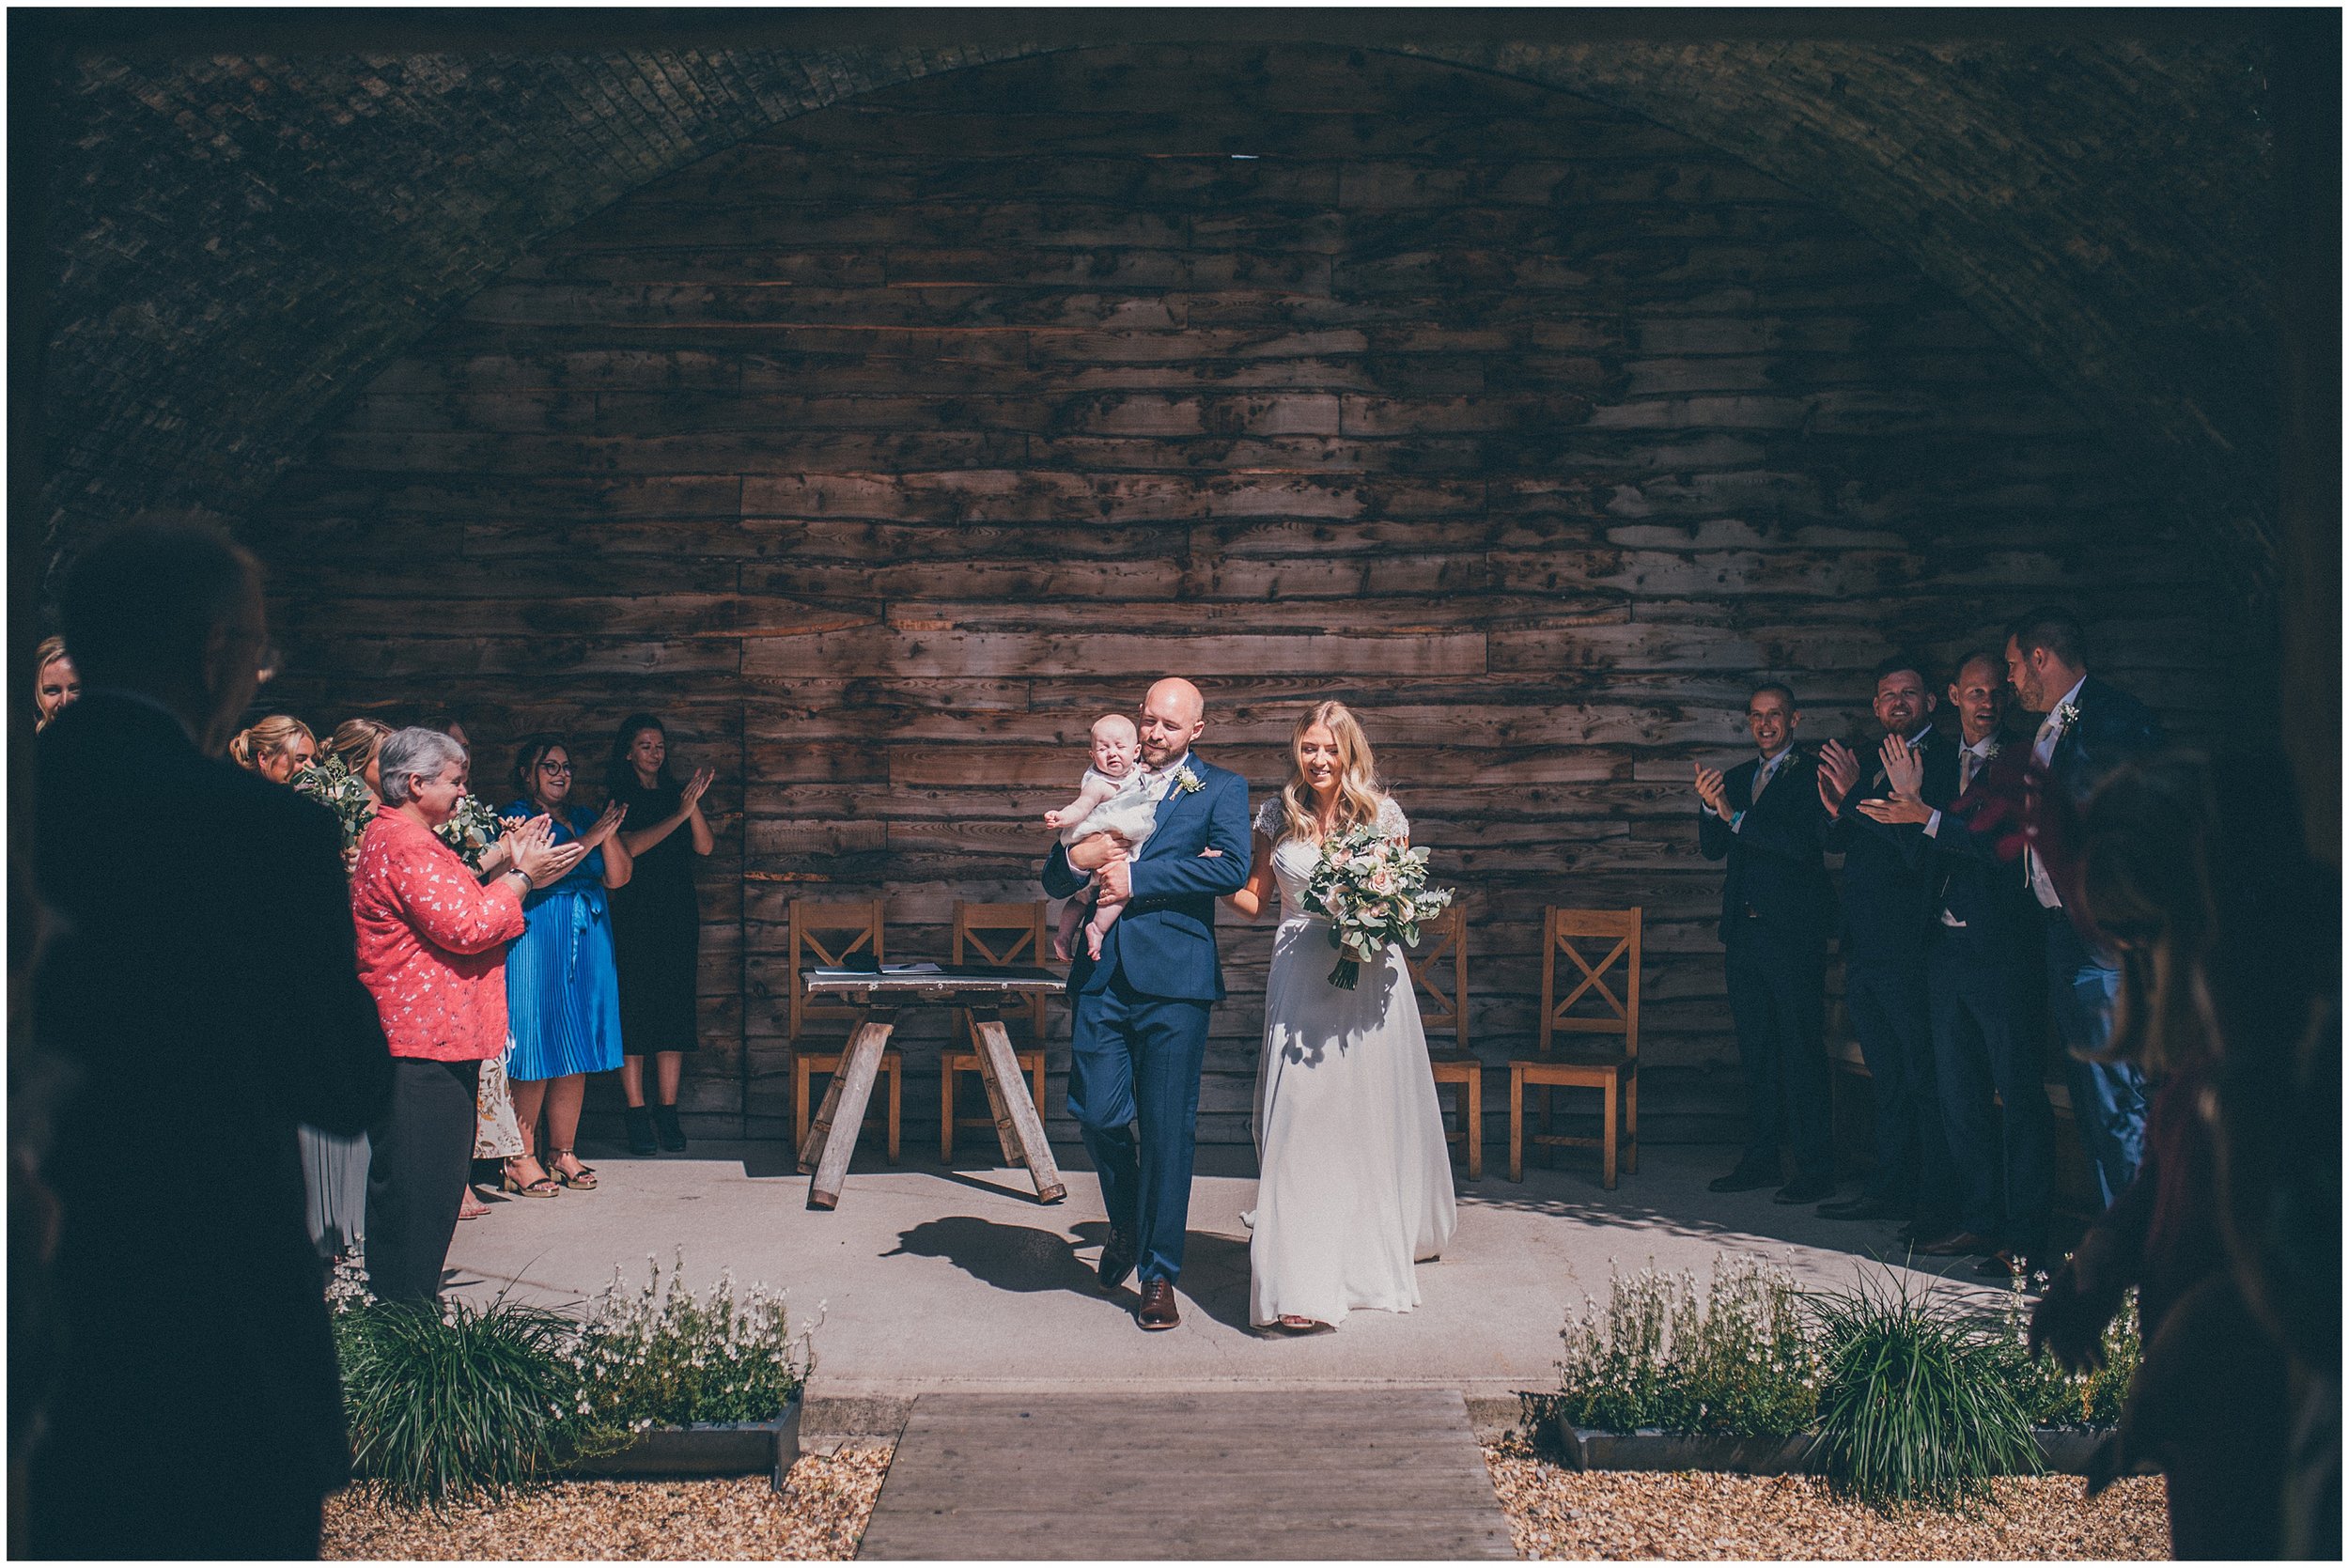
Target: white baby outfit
x,y
1130,812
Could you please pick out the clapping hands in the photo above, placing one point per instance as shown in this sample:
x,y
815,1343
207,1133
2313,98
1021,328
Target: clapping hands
x,y
1839,771
1905,774
696,787
606,825
536,856
1713,790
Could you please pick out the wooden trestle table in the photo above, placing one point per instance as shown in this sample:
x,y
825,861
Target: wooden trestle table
x,y
881,994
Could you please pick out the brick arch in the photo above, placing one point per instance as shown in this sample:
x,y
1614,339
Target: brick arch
x,y
238,244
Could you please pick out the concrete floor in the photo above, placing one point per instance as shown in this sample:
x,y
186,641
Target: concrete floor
x,y
933,1279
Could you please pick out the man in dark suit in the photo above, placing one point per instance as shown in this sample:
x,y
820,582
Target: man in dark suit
x,y
1887,909
1138,1038
202,994
2089,727
1764,817
1983,973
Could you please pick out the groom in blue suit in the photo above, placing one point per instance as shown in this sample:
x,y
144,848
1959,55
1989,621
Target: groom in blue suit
x,y
1140,1010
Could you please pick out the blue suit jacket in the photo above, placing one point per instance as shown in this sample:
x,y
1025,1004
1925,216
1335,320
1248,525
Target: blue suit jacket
x,y
1164,943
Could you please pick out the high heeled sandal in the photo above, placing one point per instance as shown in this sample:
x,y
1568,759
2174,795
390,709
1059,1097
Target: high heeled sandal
x,y
583,1178
543,1187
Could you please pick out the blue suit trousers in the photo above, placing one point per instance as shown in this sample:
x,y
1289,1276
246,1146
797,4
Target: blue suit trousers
x,y
2108,1097
1134,1063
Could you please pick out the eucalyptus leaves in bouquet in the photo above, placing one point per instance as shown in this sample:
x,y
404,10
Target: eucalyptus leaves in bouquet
x,y
1373,891
340,791
471,831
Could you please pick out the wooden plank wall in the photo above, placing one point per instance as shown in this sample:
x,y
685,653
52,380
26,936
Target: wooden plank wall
x,y
882,454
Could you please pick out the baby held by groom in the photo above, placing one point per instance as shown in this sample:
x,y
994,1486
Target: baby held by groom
x,y
1113,798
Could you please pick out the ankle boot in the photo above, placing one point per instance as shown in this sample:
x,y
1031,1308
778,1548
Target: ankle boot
x,y
640,1131
665,1122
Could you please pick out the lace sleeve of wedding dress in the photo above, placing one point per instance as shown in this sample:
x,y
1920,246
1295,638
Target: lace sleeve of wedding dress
x,y
1270,817
1391,821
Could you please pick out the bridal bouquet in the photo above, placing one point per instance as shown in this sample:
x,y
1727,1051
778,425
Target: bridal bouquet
x,y
471,831
1373,891
340,791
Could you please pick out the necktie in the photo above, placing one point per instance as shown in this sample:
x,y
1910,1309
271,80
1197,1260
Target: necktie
x,y
1762,778
1967,761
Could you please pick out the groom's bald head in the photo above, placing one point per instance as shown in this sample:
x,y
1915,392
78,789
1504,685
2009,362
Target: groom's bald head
x,y
1171,717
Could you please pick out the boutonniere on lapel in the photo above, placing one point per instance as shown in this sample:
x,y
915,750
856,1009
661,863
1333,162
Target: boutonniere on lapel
x,y
1187,781
2067,714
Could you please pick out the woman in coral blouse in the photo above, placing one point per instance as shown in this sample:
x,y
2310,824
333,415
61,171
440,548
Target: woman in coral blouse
x,y
432,953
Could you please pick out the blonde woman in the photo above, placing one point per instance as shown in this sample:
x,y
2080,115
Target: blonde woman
x,y
57,685
356,741
277,748
1356,1184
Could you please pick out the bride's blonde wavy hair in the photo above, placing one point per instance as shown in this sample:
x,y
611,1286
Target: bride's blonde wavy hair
x,y
1358,789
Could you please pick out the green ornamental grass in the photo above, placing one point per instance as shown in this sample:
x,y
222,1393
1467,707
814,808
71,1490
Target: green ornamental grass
x,y
453,1401
1914,1403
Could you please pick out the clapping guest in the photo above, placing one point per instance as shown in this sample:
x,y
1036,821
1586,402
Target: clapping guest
x,y
57,685
277,748
1888,910
1983,974
432,952
561,985
1764,818
656,924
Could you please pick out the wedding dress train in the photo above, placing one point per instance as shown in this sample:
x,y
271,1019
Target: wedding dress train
x,y
1357,1179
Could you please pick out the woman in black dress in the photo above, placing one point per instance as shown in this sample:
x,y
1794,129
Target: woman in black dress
x,y
656,925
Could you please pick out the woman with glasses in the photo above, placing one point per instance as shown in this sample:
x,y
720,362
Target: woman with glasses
x,y
562,990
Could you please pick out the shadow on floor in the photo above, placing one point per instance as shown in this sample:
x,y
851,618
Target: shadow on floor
x,y
1024,1260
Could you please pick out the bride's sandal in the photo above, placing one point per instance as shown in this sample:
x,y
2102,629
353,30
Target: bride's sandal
x,y
1297,1325
583,1178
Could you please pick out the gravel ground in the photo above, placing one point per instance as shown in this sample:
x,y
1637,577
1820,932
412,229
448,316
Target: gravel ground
x,y
820,1516
1556,1513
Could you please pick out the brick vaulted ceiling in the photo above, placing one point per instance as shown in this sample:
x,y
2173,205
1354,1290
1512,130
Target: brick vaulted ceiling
x,y
237,242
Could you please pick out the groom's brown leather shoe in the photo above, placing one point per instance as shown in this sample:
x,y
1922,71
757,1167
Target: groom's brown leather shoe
x,y
1158,1305
1118,1257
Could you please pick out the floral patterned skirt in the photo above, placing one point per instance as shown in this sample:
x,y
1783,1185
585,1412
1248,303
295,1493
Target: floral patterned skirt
x,y
496,1135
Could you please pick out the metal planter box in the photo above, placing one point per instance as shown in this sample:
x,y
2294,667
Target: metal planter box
x,y
706,1449
2065,1450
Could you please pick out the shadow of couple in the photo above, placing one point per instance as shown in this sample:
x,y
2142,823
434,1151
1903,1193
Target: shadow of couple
x,y
1024,1260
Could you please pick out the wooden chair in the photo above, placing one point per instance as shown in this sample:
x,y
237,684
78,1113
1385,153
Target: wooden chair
x,y
824,935
998,936
1439,970
1613,1071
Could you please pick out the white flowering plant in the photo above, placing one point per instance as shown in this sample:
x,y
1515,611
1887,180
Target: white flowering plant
x,y
340,791
1372,890
660,1355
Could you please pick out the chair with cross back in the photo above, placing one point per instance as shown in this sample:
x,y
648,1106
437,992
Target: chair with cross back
x,y
1600,1002
1440,971
826,935
994,935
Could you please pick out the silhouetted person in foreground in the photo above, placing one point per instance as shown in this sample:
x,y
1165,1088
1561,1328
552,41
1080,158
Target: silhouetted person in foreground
x,y
2229,943
195,1409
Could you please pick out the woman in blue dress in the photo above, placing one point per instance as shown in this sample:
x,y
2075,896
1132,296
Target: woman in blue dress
x,y
562,988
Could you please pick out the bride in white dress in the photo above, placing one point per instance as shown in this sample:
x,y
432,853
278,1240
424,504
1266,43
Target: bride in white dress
x,y
1357,1180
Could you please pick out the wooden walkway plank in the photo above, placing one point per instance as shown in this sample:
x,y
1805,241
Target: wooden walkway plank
x,y
1245,1475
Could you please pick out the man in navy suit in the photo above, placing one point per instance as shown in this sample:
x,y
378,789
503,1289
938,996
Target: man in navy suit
x,y
1888,896
2090,728
1139,1037
1982,972
1765,818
